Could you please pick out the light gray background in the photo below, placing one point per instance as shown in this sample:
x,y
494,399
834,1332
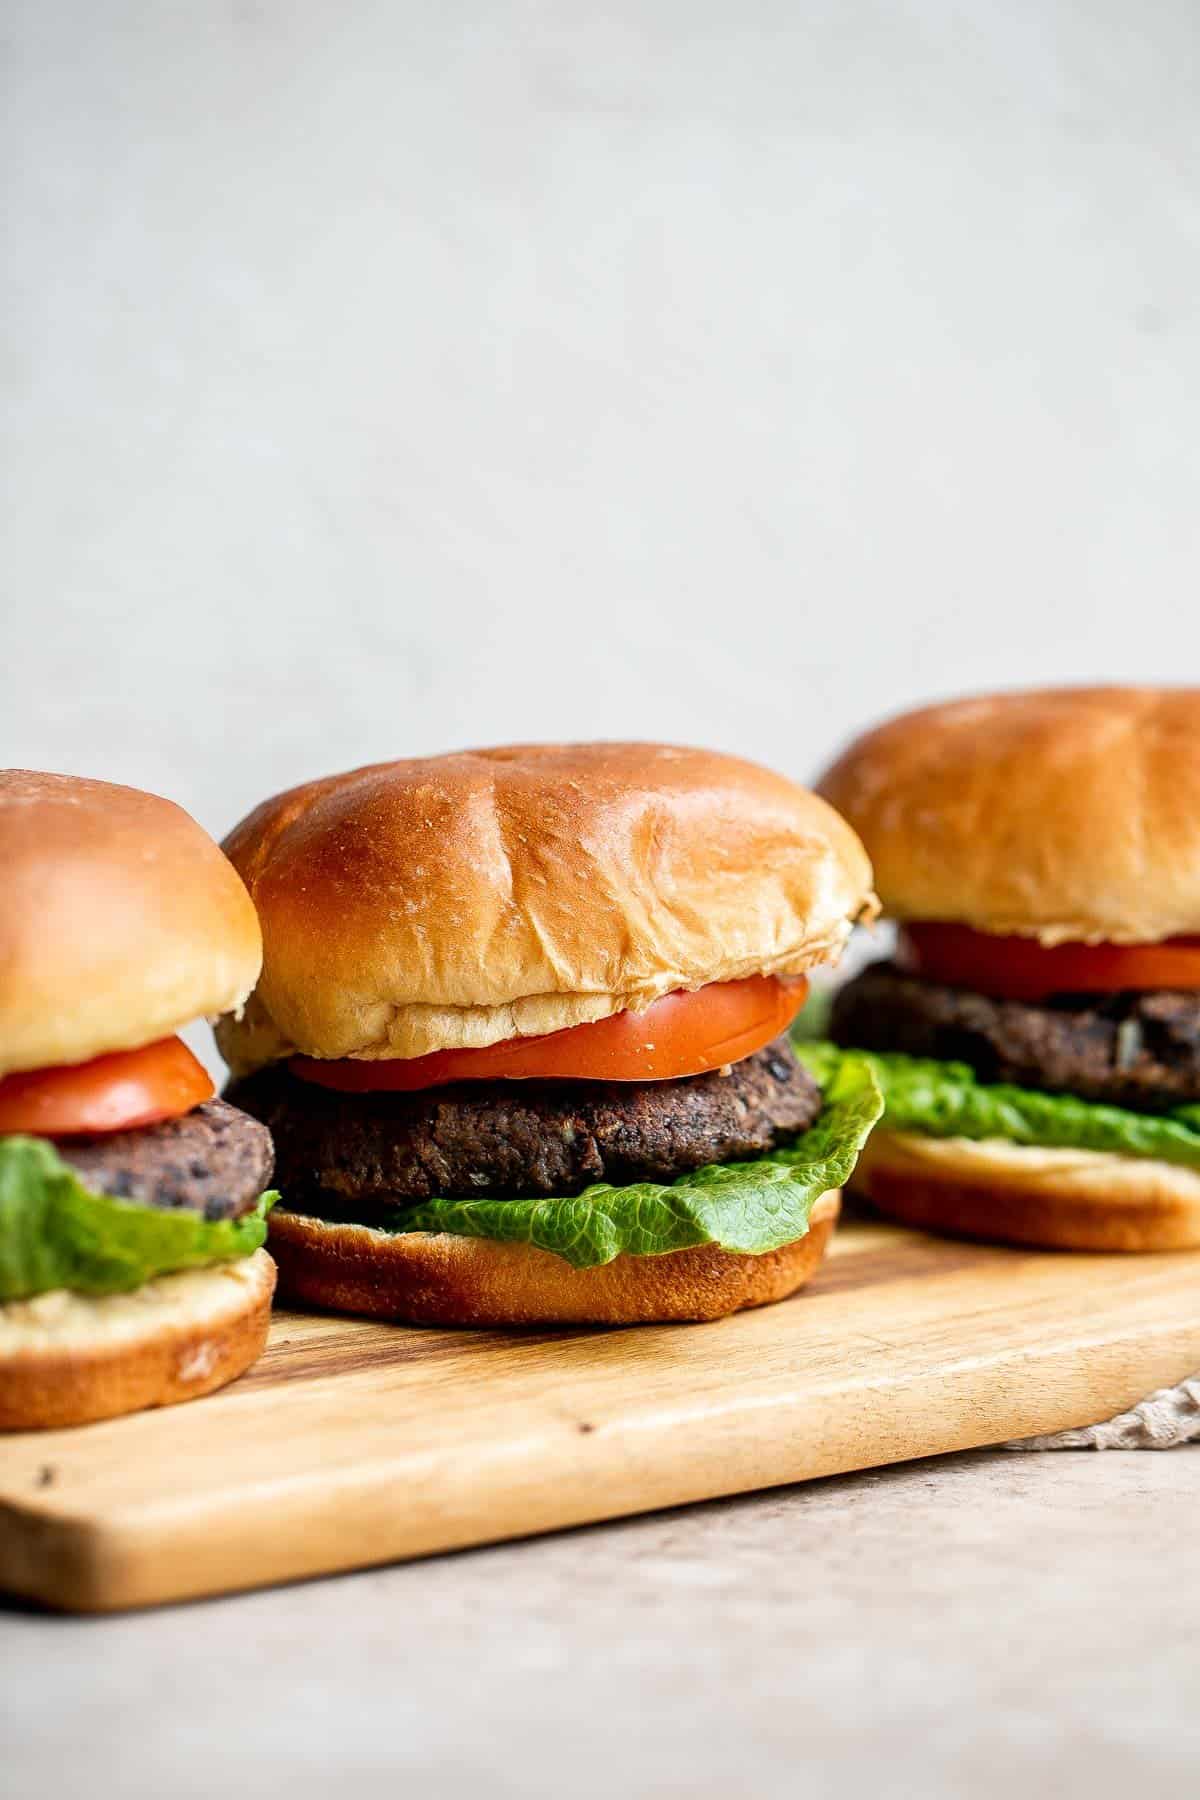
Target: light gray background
x,y
386,377
383,377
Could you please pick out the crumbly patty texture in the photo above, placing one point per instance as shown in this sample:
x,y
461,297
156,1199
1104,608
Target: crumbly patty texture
x,y
514,1138
1131,1049
215,1160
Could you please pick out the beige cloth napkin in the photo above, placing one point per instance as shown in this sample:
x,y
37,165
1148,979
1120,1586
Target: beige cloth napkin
x,y
1162,1422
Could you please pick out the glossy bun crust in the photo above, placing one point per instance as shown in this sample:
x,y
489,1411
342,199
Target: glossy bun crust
x,y
1063,815
455,901
120,921
434,1278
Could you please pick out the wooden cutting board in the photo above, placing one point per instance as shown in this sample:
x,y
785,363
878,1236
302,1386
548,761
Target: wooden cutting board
x,y
353,1443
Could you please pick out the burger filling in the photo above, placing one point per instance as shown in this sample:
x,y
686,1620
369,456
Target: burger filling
x,y
1097,1067
214,1161
1134,1050
514,1138
587,1165
94,1201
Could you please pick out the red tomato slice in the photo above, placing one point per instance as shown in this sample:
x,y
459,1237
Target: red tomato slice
x,y
1019,968
110,1093
681,1034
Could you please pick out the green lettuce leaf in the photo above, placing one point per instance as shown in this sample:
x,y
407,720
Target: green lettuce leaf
x,y
945,1099
750,1207
55,1233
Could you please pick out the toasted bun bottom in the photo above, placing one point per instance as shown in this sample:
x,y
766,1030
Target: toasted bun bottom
x,y
434,1278
1058,1199
66,1359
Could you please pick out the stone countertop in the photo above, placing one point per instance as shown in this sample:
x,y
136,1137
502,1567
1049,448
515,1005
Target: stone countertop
x,y
984,1624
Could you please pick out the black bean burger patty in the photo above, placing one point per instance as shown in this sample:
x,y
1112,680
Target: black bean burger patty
x,y
1130,1049
512,1138
214,1160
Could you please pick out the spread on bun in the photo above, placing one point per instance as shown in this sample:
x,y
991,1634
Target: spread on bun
x,y
1038,1031
132,1204
520,1033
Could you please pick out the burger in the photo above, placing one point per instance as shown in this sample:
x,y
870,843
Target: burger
x,y
521,1034
132,1203
1037,1033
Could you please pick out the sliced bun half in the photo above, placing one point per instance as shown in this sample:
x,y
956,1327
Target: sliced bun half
x,y
1007,1193
1064,815
67,1359
454,901
433,1278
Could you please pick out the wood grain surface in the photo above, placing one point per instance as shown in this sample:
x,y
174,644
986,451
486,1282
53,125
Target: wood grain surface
x,y
353,1442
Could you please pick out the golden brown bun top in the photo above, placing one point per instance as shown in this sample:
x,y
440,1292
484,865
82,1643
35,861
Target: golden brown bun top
x,y
120,920
459,900
1064,815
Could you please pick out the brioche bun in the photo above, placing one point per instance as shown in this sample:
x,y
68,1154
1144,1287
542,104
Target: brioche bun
x,y
1068,815
433,1278
1008,1193
455,901
66,1359
120,921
